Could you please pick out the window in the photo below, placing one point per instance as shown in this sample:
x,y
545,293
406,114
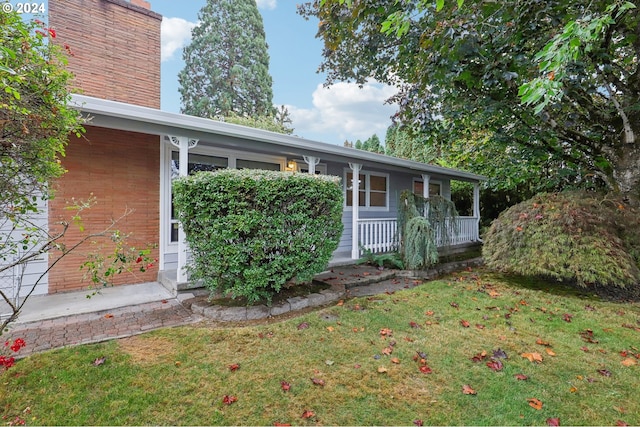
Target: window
x,y
434,188
373,190
197,163
302,167
254,164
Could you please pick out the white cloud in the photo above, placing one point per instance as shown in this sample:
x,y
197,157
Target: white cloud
x,y
266,4
174,34
347,111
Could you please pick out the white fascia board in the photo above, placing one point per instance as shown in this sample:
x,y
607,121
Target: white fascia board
x,y
184,125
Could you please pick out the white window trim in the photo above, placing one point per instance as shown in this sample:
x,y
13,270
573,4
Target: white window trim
x,y
367,175
165,171
431,181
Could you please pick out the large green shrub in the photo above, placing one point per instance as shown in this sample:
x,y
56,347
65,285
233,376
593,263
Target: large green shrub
x,y
590,240
251,231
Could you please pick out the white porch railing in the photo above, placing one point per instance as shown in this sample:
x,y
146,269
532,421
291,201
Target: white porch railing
x,y
380,235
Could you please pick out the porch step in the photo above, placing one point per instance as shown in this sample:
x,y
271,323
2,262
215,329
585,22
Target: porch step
x,y
354,275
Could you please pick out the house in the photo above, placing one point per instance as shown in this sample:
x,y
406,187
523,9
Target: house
x,y
132,150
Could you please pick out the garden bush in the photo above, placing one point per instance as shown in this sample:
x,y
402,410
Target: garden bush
x,y
250,232
587,239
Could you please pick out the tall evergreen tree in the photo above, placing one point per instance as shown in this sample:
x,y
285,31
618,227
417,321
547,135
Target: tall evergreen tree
x,y
227,64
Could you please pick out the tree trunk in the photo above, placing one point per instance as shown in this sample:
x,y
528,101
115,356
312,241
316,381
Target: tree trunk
x,y
627,173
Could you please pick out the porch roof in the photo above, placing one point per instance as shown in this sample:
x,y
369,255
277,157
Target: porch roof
x,y
122,116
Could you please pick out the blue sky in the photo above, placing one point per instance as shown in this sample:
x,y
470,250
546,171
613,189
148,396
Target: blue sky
x,y
330,115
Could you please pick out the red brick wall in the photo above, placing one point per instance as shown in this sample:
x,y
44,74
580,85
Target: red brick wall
x,y
116,48
122,170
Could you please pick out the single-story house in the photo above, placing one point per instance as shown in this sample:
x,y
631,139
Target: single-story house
x,y
132,150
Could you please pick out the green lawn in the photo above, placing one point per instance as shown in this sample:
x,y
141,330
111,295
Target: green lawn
x,y
363,356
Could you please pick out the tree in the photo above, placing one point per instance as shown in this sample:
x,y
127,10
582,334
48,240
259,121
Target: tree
x,y
227,64
488,68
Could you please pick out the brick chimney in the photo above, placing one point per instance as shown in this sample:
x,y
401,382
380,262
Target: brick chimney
x,y
115,45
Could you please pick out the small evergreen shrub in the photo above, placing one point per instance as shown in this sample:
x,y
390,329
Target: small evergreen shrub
x,y
252,231
582,238
420,222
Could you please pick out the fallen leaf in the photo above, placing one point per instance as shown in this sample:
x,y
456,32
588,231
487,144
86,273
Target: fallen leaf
x,y
386,332
317,381
178,363
587,335
308,414
629,362
573,390
387,351
422,354
464,323
281,425
414,325
425,369
329,362
585,349
567,317
479,326
467,389
454,304
535,403
108,316
532,357
340,303
285,386
479,357
408,339
382,370
228,400
234,367
99,361
604,372
418,423
621,423
429,313
589,308
553,422
395,360
330,328
521,377
303,325
541,342
550,352
500,354
495,365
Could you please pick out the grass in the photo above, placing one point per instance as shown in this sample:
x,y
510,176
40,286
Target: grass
x,y
180,376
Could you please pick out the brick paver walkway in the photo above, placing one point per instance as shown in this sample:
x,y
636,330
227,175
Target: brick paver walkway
x,y
99,326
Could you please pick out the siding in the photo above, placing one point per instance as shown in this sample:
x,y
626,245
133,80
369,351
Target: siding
x,y
18,281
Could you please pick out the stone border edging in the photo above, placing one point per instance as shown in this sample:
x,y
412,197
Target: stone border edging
x,y
334,293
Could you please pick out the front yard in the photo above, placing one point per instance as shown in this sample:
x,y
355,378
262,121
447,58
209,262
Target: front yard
x,y
474,348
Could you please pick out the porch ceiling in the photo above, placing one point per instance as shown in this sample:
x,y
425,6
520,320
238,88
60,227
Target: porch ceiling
x,y
117,115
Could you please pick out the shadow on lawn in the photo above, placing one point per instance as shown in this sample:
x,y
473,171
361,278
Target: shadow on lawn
x,y
552,286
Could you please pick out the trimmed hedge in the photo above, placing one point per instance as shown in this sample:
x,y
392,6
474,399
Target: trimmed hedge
x,y
252,231
576,237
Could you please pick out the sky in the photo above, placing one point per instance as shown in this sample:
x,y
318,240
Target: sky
x,y
333,115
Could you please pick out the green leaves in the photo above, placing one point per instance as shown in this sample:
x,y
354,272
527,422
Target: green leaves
x,y
252,231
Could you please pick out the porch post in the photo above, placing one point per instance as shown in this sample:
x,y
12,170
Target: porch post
x,y
476,208
312,162
184,144
355,201
425,185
